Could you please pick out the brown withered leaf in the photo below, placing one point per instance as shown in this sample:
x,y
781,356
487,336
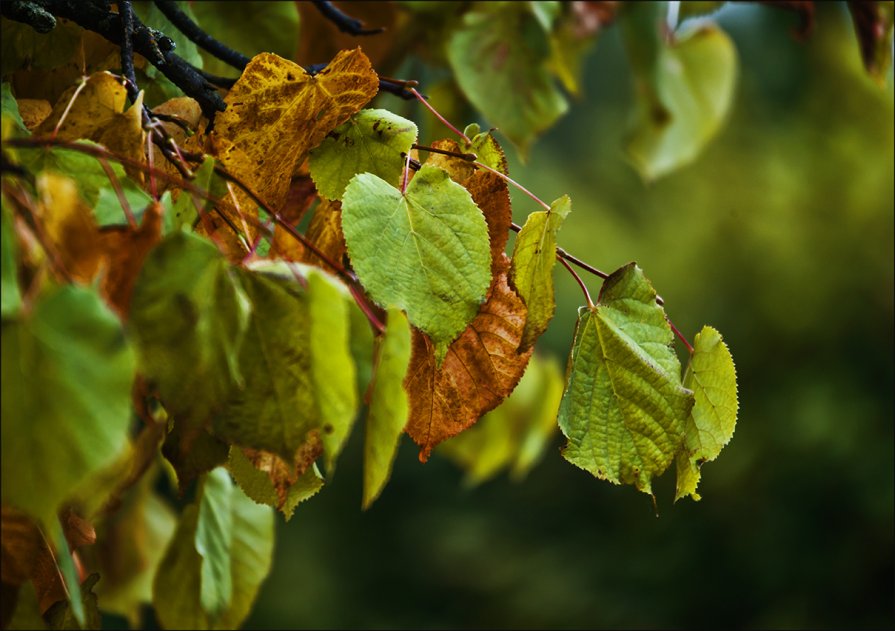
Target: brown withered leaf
x,y
491,195
26,555
68,225
94,107
277,112
480,370
125,250
325,232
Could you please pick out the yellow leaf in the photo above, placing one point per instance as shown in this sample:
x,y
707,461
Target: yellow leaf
x,y
124,135
92,109
277,112
69,226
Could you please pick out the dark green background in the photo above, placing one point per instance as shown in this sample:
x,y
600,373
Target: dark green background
x,y
781,236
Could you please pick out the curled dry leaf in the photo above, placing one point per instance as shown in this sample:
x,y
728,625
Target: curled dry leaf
x,y
480,370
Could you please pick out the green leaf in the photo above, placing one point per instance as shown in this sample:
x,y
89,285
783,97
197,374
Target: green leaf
x,y
425,251
214,539
130,543
26,615
10,109
332,367
531,274
486,148
187,208
259,485
249,28
684,90
71,613
499,56
23,47
624,409
179,583
93,182
10,296
189,315
64,614
67,361
371,141
712,377
275,410
516,433
388,406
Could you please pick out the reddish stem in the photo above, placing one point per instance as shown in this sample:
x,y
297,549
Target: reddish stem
x,y
422,99
510,180
680,335
119,192
590,303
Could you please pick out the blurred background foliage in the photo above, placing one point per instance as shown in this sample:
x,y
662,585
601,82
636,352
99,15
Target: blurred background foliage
x,y
781,235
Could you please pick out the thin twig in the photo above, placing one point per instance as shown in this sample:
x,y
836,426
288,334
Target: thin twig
x,y
469,157
590,303
343,21
71,102
680,335
119,192
195,34
510,180
444,121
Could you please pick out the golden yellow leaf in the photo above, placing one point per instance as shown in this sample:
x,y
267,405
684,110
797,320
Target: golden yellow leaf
x,y
325,232
68,225
34,111
277,112
92,109
124,135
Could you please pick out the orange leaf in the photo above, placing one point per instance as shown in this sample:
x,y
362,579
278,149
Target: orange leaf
x,y
491,195
126,249
480,370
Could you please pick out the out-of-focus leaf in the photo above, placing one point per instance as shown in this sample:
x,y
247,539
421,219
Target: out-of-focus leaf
x,y
500,58
23,47
424,250
10,109
73,346
531,274
129,548
624,409
574,35
515,433
371,141
192,451
480,369
189,314
249,28
214,539
180,579
10,296
712,377
684,90
387,415
63,615
873,24
325,232
26,615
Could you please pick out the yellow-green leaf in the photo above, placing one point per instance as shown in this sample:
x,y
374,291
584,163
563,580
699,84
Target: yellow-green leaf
x,y
712,377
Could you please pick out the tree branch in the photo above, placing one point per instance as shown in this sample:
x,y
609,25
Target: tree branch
x,y
195,34
343,21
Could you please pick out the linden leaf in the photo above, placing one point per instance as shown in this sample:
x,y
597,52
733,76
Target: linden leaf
x,y
388,406
299,376
182,579
189,314
624,409
73,346
685,89
490,193
69,226
480,369
712,377
371,141
531,274
213,540
87,111
499,56
276,112
267,479
10,294
485,146
515,433
424,251
325,232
